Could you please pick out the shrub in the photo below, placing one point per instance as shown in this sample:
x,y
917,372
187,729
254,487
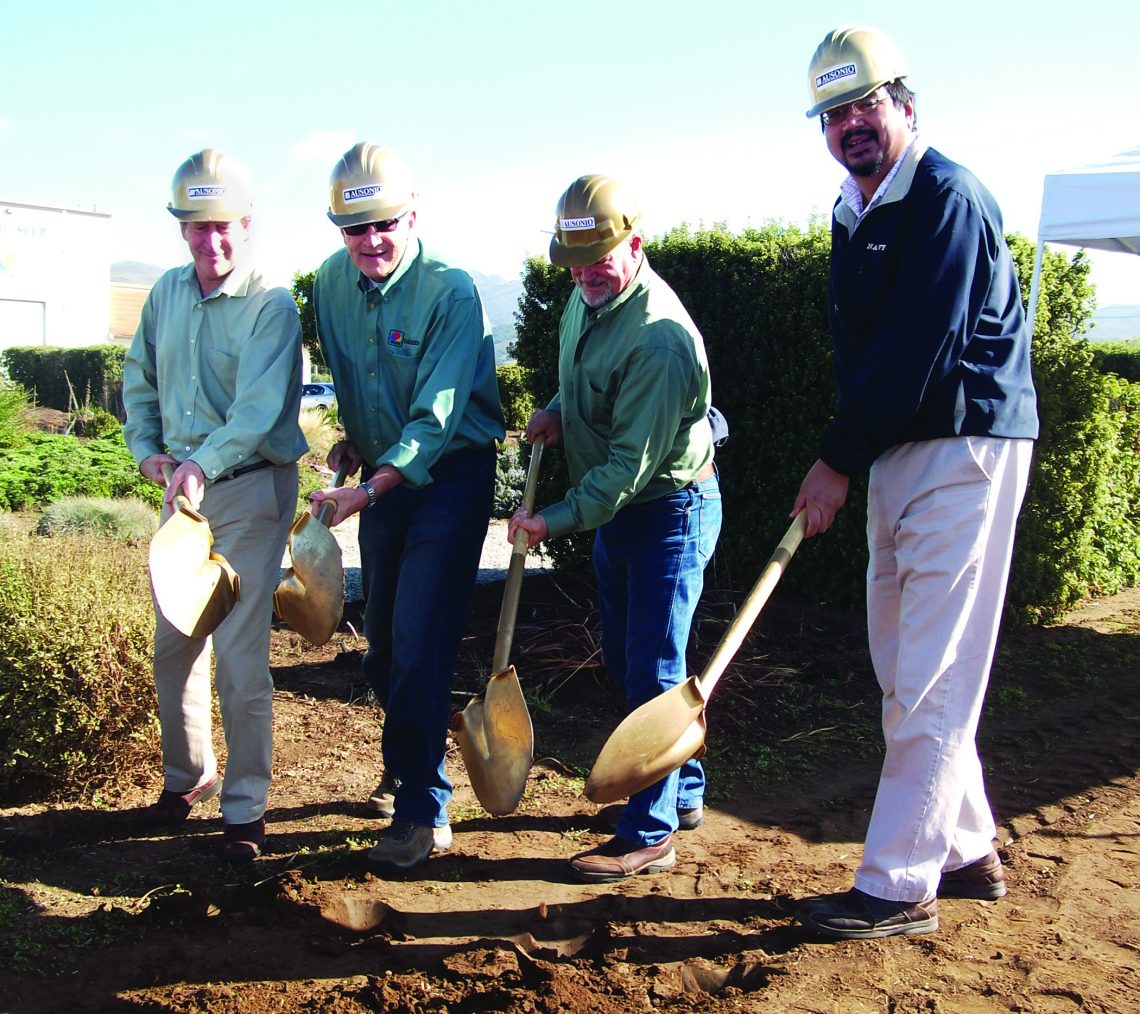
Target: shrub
x,y
77,701
514,393
319,427
14,404
1121,358
58,378
94,422
510,479
125,520
52,466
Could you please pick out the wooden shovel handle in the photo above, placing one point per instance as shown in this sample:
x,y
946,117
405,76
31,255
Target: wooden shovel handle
x,y
738,629
515,570
328,508
180,502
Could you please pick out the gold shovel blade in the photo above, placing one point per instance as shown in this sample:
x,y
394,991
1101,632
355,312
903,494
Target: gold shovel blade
x,y
498,754
310,596
195,588
651,741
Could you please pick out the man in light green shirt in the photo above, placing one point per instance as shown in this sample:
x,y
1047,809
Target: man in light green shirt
x,y
632,413
413,361
212,386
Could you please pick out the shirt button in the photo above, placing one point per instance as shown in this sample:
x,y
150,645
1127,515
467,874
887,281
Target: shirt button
x,y
188,411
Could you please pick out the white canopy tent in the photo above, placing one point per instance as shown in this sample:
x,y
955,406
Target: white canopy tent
x,y
1095,205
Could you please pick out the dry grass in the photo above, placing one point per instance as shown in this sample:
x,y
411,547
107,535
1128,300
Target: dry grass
x,y
76,692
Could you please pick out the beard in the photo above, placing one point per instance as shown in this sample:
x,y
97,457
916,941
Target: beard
x,y
868,162
598,300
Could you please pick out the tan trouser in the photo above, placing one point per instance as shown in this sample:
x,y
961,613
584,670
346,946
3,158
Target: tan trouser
x,y
941,517
250,518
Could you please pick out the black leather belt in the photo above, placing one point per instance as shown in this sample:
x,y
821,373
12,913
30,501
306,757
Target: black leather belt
x,y
237,473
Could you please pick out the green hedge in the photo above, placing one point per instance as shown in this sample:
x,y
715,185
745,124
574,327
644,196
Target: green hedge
x,y
1121,358
51,466
760,301
95,374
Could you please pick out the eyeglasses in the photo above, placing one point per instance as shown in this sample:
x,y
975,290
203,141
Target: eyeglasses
x,y
861,107
384,225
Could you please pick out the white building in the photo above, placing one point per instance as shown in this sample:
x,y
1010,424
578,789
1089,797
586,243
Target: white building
x,y
55,275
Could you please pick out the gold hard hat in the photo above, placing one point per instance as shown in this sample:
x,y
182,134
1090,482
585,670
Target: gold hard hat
x,y
849,64
369,184
595,214
209,186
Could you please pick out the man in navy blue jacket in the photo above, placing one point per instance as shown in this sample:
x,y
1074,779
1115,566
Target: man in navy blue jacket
x,y
936,399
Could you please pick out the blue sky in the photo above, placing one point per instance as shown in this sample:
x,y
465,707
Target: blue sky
x,y
498,106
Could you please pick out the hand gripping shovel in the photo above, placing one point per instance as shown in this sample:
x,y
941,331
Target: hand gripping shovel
x,y
310,596
663,733
494,731
195,588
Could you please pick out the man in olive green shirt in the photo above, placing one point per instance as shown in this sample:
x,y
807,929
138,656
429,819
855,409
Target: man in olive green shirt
x,y
212,387
632,412
413,360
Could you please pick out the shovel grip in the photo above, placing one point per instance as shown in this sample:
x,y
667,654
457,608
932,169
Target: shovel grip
x,y
180,502
515,570
328,509
750,609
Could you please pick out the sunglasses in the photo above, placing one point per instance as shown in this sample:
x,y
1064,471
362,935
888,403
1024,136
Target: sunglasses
x,y
384,225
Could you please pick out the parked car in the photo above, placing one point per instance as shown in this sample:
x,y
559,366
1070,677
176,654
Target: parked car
x,y
317,396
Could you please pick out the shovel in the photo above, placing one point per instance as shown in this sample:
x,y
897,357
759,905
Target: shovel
x,y
663,733
310,596
494,731
195,588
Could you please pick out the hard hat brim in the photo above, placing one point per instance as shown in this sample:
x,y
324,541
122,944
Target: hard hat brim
x,y
209,216
366,215
841,100
578,255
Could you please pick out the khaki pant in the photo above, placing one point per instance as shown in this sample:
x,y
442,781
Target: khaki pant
x,y
941,516
250,517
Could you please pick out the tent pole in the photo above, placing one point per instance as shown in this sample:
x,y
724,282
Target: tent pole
x,y
1035,287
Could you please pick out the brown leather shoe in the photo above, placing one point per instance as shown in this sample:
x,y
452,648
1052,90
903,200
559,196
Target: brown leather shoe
x,y
618,859
982,880
856,915
172,808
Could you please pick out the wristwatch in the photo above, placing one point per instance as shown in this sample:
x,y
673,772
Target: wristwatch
x,y
370,493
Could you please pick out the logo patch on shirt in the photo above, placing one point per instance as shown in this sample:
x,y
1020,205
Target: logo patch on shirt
x,y
576,224
398,339
834,74
204,193
361,193
876,247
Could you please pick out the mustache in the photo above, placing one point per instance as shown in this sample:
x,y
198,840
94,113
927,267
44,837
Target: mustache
x,y
859,134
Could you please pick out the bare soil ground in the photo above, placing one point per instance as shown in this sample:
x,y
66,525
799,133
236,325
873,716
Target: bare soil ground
x,y
96,917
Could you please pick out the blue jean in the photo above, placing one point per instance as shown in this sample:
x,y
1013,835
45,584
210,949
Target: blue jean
x,y
650,564
419,556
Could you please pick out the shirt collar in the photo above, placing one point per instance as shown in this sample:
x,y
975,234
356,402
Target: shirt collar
x,y
236,283
852,195
411,252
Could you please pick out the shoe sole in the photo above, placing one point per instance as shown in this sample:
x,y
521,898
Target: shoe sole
x,y
982,892
874,933
388,866
380,810
662,865
208,793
